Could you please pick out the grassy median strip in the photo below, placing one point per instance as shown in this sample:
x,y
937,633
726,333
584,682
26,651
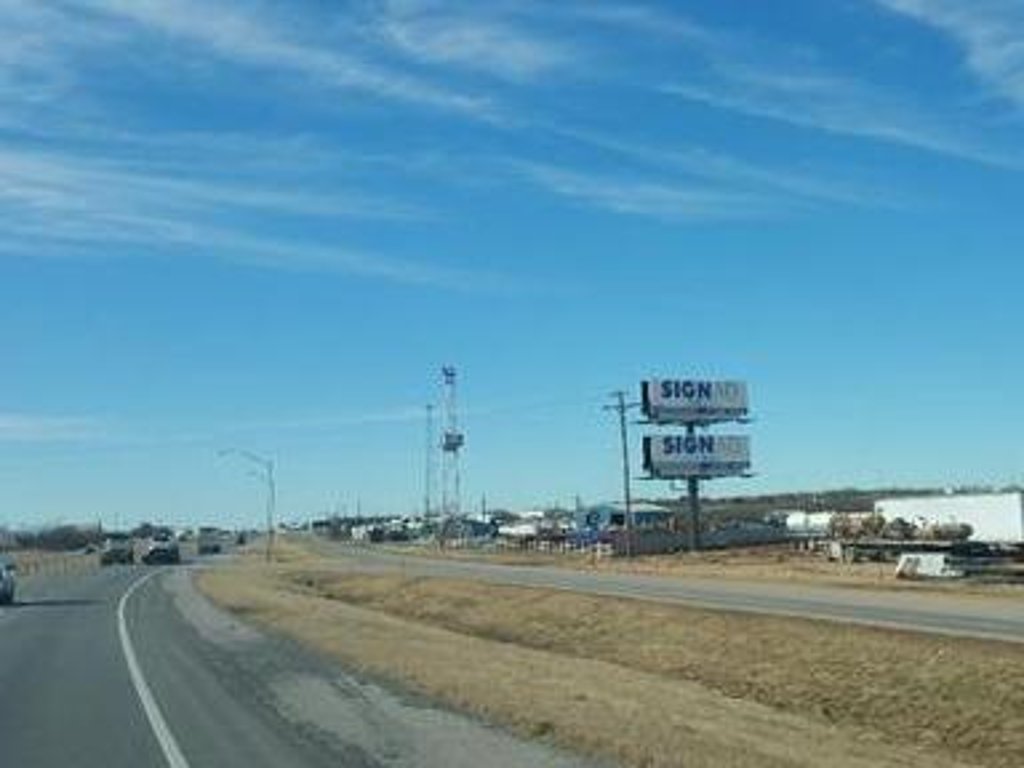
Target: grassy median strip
x,y
648,684
775,563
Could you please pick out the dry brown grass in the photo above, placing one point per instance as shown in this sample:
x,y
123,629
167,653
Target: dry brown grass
x,y
32,562
653,685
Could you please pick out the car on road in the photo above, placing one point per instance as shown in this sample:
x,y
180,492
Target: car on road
x,y
161,549
7,579
117,548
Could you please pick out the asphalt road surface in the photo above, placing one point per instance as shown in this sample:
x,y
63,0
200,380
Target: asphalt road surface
x,y
128,666
967,615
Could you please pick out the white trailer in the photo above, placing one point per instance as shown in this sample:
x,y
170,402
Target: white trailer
x,y
993,517
809,525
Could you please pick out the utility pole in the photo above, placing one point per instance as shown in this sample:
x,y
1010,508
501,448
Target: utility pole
x,y
271,507
428,464
620,406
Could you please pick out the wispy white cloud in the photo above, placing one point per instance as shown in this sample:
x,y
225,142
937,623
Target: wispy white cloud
x,y
410,414
635,18
64,181
253,37
36,41
146,236
643,197
728,171
476,38
130,193
737,71
300,255
53,204
91,433
733,172
116,432
991,33
35,428
837,105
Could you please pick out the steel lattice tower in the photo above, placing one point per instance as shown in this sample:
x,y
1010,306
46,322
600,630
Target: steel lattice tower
x,y
452,441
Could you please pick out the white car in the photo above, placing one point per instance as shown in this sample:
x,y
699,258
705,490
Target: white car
x,y
162,549
7,581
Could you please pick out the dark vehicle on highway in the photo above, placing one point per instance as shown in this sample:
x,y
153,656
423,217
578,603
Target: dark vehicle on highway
x,y
209,542
7,580
162,549
117,548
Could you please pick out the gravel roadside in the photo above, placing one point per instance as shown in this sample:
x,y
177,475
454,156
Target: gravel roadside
x,y
359,715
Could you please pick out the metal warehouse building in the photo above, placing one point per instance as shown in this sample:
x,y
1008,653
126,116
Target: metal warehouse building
x,y
993,517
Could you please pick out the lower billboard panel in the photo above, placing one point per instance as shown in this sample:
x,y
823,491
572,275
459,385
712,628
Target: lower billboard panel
x,y
672,457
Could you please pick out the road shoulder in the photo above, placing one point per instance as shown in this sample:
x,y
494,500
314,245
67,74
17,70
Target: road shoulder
x,y
349,718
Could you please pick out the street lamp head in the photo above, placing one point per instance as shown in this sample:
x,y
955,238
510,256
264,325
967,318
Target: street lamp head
x,y
249,456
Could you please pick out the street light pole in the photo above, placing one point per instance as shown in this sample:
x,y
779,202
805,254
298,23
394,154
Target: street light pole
x,y
271,507
267,475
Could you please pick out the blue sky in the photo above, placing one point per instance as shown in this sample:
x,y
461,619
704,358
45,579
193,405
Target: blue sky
x,y
267,225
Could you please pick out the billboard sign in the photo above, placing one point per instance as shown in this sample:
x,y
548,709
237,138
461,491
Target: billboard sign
x,y
693,401
676,457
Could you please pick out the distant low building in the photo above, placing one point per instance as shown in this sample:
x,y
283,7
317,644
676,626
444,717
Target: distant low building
x,y
603,517
532,524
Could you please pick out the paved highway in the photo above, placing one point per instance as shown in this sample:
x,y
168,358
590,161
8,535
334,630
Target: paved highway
x,y
130,667
967,616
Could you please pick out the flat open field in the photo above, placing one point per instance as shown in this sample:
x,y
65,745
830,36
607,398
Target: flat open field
x,y
648,684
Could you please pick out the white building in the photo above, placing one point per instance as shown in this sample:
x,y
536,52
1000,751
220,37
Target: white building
x,y
993,517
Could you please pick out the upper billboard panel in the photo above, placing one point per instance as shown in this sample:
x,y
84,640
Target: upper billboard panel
x,y
693,401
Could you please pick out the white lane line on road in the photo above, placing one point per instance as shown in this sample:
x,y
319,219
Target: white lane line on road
x,y
164,737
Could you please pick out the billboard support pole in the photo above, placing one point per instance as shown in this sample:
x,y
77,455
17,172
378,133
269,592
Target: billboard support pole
x,y
693,493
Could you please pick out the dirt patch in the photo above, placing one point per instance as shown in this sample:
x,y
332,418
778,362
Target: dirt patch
x,y
655,685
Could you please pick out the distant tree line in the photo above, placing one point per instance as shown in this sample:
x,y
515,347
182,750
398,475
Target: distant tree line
x,y
57,538
68,537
